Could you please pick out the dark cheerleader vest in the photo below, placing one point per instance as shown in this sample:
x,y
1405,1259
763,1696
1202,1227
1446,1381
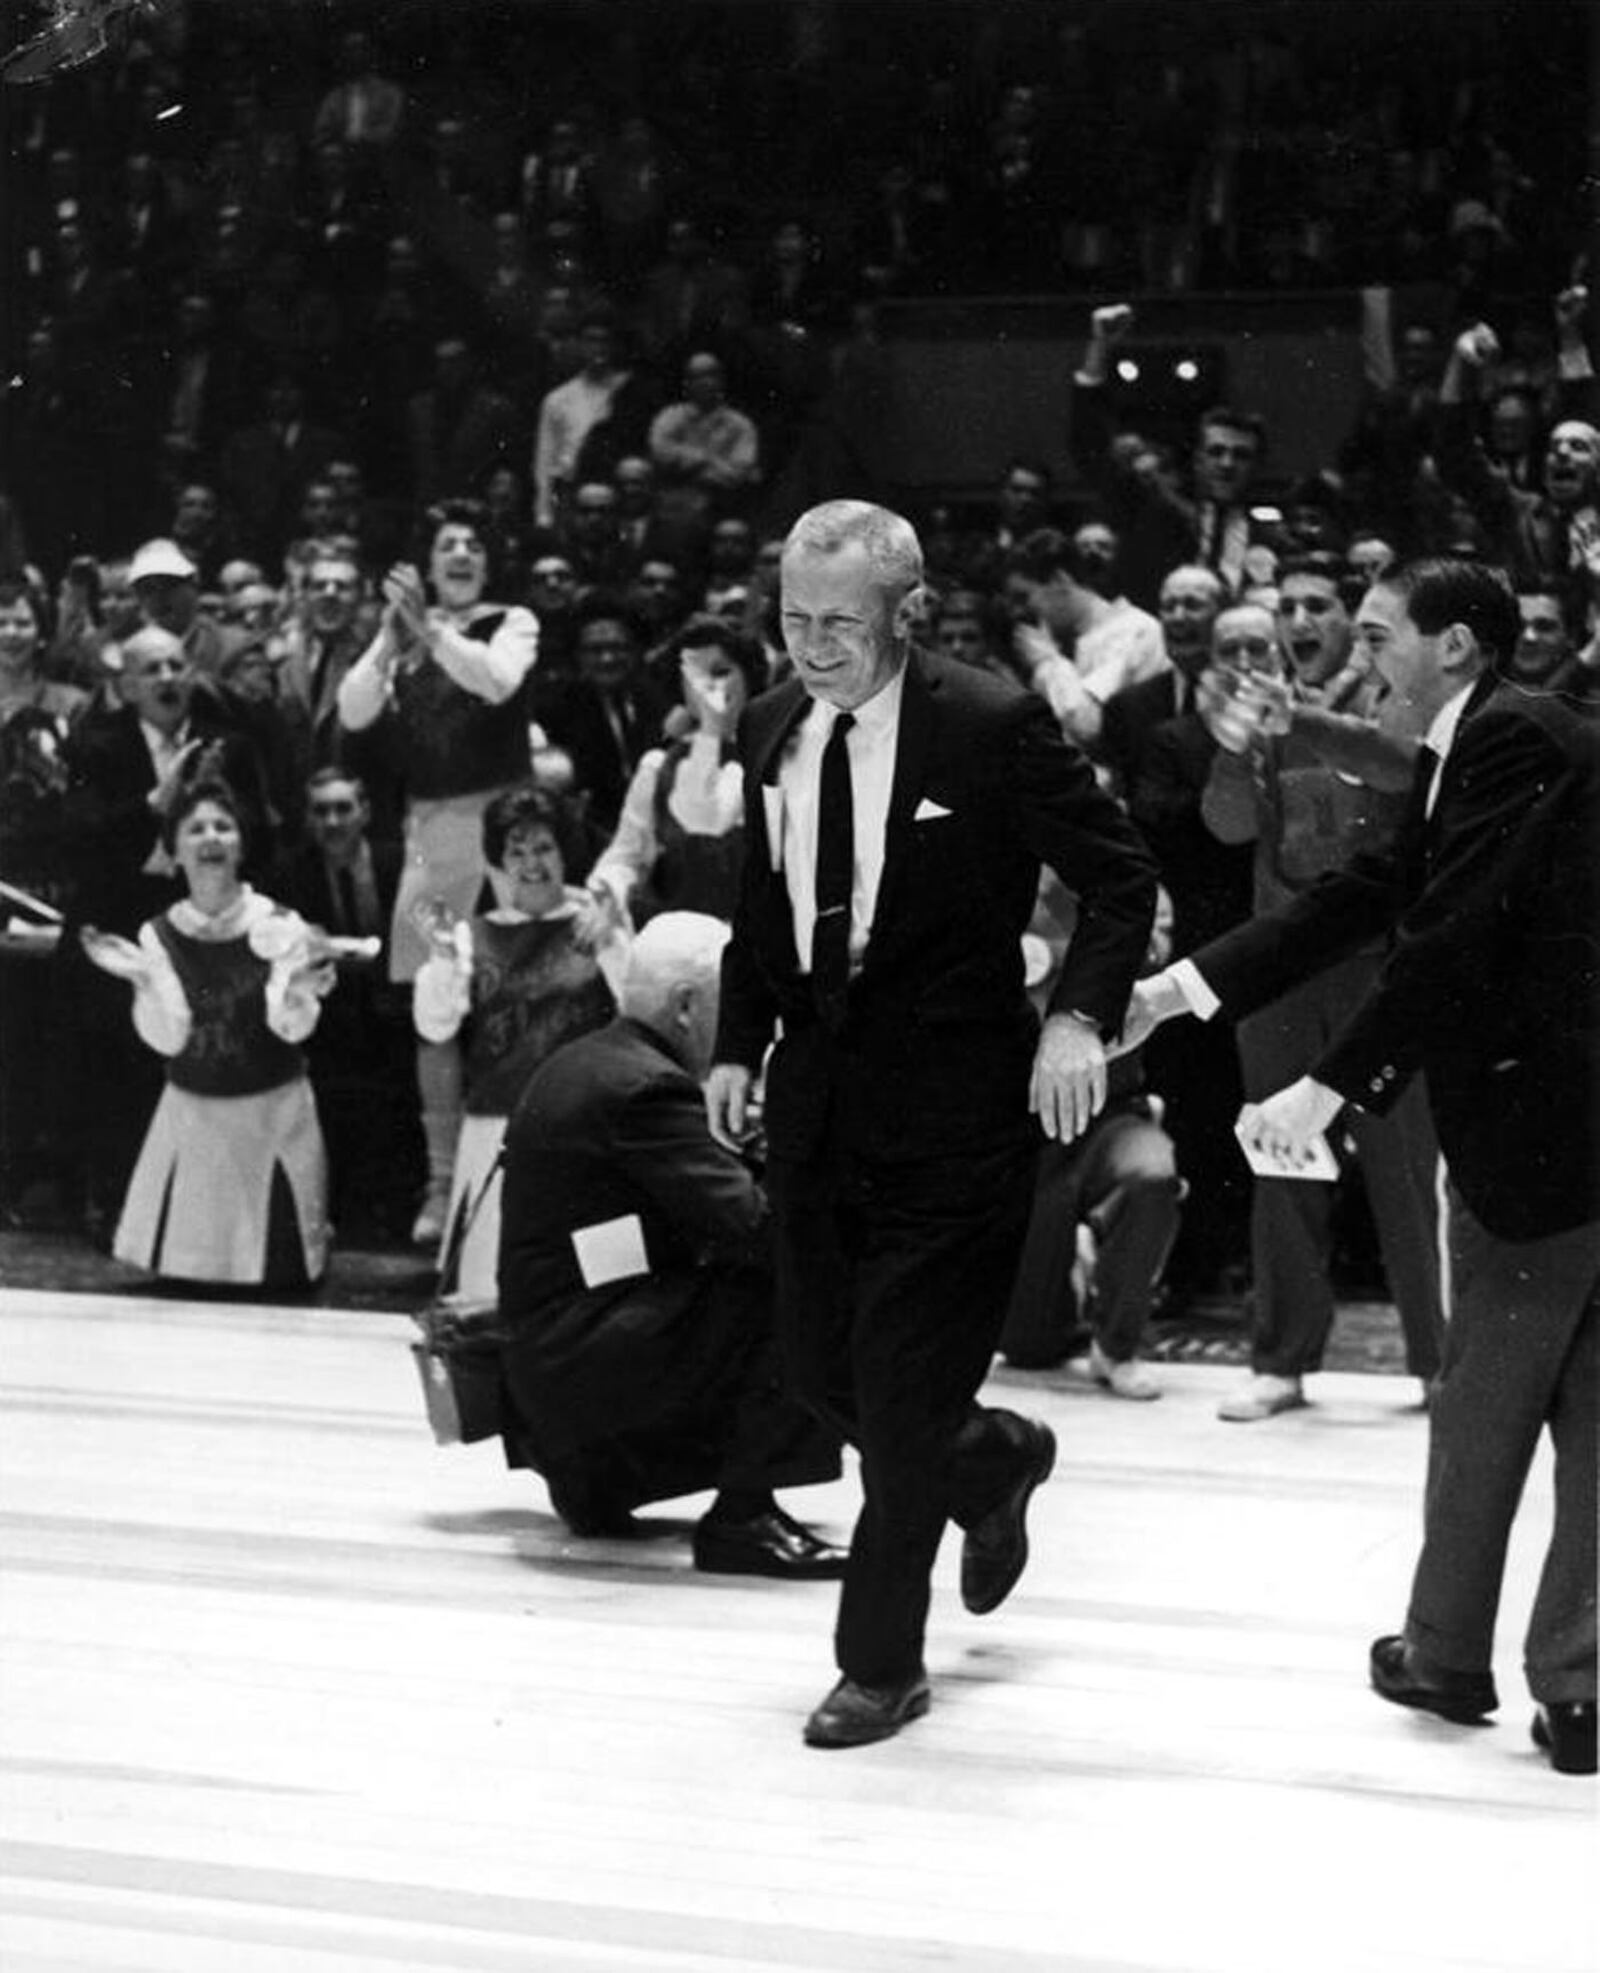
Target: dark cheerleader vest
x,y
532,989
451,742
692,872
230,1051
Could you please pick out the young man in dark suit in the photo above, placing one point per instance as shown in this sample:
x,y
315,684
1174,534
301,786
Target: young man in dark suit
x,y
360,1055
897,809
1489,992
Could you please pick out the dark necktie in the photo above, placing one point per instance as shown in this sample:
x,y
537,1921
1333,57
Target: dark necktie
x,y
1424,774
1412,842
349,910
836,870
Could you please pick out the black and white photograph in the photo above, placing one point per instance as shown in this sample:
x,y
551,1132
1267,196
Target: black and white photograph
x,y
799,986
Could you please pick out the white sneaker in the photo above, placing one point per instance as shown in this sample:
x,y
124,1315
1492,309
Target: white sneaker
x,y
1263,1397
1128,1379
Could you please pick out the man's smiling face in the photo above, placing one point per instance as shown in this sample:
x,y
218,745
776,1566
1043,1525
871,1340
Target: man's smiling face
x,y
838,624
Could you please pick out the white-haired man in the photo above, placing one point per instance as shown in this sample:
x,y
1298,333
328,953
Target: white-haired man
x,y
636,1284
898,808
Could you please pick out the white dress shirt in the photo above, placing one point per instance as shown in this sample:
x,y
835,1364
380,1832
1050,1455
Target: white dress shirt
x,y
870,745
1441,736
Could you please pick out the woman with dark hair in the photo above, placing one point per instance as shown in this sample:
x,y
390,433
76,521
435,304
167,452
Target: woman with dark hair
x,y
516,981
231,1182
442,682
679,842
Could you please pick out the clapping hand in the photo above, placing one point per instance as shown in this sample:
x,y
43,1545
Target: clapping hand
x,y
405,604
1583,543
438,925
174,777
113,954
1241,709
709,699
596,918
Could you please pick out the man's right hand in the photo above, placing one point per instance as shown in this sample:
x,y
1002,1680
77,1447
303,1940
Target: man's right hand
x,y
728,1106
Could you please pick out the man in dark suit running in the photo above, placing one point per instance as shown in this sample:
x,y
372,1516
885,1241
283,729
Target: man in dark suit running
x,y
1489,992
897,810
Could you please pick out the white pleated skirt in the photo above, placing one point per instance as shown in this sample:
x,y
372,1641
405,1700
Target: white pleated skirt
x,y
199,1204
444,873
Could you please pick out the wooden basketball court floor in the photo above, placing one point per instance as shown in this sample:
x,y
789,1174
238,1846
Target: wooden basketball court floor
x,y
283,1685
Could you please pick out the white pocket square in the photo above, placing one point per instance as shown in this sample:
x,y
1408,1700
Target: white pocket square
x,y
928,811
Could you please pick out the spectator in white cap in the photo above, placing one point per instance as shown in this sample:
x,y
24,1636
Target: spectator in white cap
x,y
166,586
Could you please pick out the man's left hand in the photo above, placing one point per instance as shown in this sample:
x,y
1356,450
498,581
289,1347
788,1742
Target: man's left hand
x,y
1068,1090
1288,1124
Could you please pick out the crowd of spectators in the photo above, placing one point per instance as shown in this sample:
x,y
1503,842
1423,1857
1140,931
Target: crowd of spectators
x,y
287,280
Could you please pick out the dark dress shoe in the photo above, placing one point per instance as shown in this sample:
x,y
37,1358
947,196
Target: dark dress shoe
x,y
1565,1730
995,1552
1463,1697
854,1715
770,1544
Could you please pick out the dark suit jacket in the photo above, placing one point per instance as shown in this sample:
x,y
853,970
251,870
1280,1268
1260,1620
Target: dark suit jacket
x,y
1491,984
935,1055
110,829
571,713
301,880
612,1126
365,1024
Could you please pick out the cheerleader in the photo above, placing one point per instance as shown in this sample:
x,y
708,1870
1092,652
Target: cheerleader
x,y
516,981
231,1183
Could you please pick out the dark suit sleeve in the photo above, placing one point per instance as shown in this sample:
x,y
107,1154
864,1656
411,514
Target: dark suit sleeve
x,y
663,1146
747,1013
1252,965
1070,823
1499,800
109,776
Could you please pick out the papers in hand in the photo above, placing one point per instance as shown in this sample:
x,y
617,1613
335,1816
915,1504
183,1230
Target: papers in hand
x,y
611,1251
1318,1160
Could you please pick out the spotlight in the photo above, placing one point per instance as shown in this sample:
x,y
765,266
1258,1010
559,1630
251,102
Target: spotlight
x,y
1128,370
1187,370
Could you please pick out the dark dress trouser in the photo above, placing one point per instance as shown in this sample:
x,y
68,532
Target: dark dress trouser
x,y
893,1281
1521,1352
1291,1219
